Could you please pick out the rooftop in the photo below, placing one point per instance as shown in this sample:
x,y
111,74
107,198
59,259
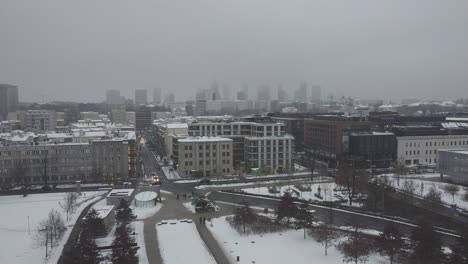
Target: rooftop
x,y
120,193
204,139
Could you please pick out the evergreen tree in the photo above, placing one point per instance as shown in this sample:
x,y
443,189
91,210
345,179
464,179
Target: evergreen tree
x,y
84,251
93,225
124,248
286,208
426,245
304,218
390,243
124,214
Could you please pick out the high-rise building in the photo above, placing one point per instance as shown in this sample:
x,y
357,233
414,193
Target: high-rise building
x,y
300,95
157,95
282,96
170,99
316,94
226,93
143,118
118,114
141,97
8,100
263,93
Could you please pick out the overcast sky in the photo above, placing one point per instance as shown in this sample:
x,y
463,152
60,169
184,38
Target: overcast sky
x,y
393,49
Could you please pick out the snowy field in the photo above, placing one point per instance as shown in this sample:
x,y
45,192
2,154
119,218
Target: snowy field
x,y
17,244
181,243
326,190
270,248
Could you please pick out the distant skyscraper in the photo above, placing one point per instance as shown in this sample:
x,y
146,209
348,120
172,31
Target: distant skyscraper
x,y
169,99
8,100
300,95
226,93
141,97
243,94
316,93
282,96
263,93
113,97
157,95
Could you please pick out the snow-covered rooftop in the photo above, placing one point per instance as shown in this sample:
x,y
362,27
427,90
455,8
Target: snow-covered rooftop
x,y
120,193
204,139
103,210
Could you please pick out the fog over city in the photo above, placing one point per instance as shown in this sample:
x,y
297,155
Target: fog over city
x,y
75,50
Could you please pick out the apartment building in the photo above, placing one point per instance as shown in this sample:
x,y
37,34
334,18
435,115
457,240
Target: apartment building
x,y
38,120
255,129
205,156
269,154
99,161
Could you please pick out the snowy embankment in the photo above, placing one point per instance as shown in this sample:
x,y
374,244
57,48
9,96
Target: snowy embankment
x,y
272,248
16,238
181,243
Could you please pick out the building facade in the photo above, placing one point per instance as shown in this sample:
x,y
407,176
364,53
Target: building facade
x,y
416,150
8,100
454,163
205,156
327,138
269,154
38,120
101,161
141,97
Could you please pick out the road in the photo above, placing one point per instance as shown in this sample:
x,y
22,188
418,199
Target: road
x,y
173,208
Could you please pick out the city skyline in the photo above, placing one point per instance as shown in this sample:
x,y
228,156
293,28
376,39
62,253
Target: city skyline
x,y
396,50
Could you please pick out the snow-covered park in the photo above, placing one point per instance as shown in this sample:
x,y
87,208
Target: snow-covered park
x,y
20,218
329,191
179,242
272,248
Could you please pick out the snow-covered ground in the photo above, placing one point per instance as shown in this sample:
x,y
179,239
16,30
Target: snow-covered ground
x,y
174,175
446,198
140,239
189,207
17,245
326,190
181,243
145,212
283,247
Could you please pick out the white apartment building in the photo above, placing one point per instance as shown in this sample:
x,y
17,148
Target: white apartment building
x,y
423,149
210,156
38,120
269,154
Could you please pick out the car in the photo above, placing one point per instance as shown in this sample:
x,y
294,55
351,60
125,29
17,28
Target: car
x,y
156,180
204,181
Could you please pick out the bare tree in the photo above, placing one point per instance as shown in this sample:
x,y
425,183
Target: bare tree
x,y
409,187
68,204
465,196
391,243
452,189
356,248
325,235
244,215
433,195
400,169
352,179
49,231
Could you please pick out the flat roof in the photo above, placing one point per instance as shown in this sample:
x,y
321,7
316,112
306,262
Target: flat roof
x,y
204,139
103,210
458,151
120,193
